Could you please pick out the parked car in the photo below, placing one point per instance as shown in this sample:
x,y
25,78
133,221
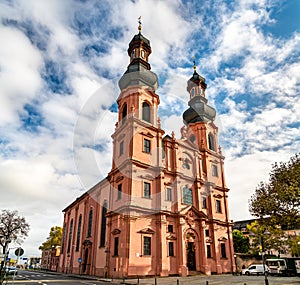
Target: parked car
x,y
254,269
10,270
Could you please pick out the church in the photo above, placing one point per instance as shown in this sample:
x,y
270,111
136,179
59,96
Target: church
x,y
162,210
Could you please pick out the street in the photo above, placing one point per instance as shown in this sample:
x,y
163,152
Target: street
x,y
44,278
28,277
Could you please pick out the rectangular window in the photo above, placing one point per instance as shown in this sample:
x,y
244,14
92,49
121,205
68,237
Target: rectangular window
x,y
121,147
147,190
214,170
147,146
169,194
171,249
223,250
116,246
218,206
147,245
170,228
204,202
207,233
208,251
119,191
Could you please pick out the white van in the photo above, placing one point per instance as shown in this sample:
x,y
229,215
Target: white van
x,y
255,269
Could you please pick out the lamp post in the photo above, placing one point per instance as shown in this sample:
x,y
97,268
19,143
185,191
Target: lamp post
x,y
261,248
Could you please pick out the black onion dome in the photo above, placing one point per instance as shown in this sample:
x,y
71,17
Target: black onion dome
x,y
196,80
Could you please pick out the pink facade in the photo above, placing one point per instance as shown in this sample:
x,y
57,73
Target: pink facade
x,y
162,210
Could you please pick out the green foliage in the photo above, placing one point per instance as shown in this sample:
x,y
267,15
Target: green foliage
x,y
279,200
294,244
13,228
266,238
54,238
240,242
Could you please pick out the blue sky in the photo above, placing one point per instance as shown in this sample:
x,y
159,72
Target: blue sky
x,y
60,62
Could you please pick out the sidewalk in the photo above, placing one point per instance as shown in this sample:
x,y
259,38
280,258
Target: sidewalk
x,y
224,279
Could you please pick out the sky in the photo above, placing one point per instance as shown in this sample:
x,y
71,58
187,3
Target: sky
x,y
60,62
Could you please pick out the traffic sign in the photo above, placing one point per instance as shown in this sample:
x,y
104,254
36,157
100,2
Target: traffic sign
x,y
79,259
19,251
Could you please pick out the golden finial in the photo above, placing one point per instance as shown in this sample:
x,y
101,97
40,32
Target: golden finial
x,y
140,24
194,60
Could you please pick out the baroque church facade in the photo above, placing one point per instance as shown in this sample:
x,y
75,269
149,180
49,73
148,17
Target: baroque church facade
x,y
162,209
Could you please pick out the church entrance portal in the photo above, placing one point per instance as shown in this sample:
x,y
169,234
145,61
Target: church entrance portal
x,y
191,259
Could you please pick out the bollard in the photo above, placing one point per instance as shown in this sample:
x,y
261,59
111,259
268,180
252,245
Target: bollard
x,y
177,281
155,281
206,282
138,280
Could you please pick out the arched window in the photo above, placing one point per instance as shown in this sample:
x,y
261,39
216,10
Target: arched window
x,y
78,232
146,112
211,142
103,225
124,113
90,223
70,236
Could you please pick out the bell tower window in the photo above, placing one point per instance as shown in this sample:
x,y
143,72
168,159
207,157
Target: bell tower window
x,y
124,113
211,142
146,112
142,53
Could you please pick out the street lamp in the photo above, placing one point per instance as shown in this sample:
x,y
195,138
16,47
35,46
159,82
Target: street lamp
x,y
260,238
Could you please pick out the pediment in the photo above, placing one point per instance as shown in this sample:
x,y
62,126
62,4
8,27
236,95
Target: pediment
x,y
192,211
222,239
171,237
116,232
146,231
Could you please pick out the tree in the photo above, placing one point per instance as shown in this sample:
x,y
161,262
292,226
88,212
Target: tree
x,y
274,240
13,228
240,242
279,200
54,238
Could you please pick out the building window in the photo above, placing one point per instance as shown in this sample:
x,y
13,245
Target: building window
x,y
170,228
187,196
169,194
146,112
63,238
103,225
90,223
147,146
204,202
121,148
147,245
147,190
78,232
208,251
124,113
207,233
119,192
211,142
171,248
116,246
218,206
70,236
214,170
223,250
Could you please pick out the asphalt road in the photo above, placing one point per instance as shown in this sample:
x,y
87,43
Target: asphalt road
x,y
41,278
45,278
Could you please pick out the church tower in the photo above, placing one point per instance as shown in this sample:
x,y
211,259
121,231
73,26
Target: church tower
x,y
162,209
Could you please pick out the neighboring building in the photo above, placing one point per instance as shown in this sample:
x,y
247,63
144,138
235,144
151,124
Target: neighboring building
x,y
50,258
162,209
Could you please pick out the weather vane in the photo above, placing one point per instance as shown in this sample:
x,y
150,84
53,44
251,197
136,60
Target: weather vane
x,y
194,60
140,24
